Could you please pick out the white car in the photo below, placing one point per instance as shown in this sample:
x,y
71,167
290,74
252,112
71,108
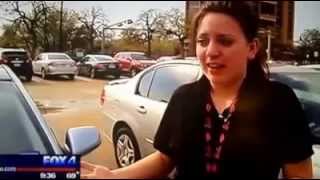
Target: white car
x,y
134,107
168,58
53,64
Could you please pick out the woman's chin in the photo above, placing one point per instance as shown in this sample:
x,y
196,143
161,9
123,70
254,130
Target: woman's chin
x,y
216,78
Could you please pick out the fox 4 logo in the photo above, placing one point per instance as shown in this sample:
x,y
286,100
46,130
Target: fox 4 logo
x,y
59,160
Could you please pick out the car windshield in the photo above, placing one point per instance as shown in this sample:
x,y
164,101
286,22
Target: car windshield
x,y
58,57
19,132
140,57
20,55
103,58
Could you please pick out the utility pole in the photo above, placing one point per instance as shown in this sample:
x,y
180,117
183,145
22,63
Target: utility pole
x,y
149,36
127,21
60,29
102,40
269,45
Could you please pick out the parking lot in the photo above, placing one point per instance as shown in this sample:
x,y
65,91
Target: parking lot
x,y
70,103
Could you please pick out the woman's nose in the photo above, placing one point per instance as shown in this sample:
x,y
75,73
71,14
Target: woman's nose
x,y
213,49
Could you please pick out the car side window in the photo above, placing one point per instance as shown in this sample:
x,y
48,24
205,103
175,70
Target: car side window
x,y
43,57
38,58
144,84
85,59
167,79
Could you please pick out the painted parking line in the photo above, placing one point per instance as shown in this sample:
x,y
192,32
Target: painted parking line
x,y
40,80
106,136
83,79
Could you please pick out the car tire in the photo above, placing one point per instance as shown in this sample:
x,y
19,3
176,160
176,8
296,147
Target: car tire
x,y
71,77
126,148
133,72
28,77
43,74
93,73
117,76
77,73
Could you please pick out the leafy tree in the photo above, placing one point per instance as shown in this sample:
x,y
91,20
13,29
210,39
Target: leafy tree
x,y
309,43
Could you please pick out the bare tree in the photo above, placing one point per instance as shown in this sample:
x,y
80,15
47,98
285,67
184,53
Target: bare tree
x,y
153,22
175,26
92,20
27,21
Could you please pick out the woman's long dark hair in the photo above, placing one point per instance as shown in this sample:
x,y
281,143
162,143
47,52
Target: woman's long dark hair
x,y
247,18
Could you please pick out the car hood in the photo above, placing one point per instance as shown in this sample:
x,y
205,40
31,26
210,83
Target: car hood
x,y
119,81
105,62
147,61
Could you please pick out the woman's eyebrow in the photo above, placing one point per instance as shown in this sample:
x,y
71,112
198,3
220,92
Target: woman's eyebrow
x,y
201,35
221,35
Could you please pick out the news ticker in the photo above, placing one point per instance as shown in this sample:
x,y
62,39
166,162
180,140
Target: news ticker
x,y
39,166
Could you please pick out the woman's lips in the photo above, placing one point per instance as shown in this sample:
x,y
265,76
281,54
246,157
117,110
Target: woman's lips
x,y
215,66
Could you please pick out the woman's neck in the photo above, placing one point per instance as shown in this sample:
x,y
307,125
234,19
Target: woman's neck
x,y
223,95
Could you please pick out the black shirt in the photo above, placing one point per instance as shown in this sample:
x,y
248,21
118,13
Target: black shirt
x,y
267,130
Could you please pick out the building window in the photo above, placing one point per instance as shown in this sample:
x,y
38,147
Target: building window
x,y
267,8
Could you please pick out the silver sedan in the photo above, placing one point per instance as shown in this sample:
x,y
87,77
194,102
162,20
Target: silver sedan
x,y
134,107
49,64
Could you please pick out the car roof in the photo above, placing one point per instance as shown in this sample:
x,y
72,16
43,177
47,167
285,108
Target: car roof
x,y
180,61
4,75
294,69
131,52
98,55
54,53
12,50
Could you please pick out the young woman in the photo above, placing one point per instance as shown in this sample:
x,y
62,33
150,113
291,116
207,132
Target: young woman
x,y
233,122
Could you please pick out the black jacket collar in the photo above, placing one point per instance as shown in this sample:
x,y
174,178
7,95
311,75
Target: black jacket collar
x,y
251,92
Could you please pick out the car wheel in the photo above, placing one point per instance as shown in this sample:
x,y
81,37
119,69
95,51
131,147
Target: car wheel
x,y
93,73
43,74
117,76
77,73
133,72
126,147
28,77
71,76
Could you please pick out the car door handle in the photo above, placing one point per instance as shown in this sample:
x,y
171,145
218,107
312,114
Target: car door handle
x,y
141,109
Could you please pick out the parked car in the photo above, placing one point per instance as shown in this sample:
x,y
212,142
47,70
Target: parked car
x,y
168,58
133,62
192,58
24,130
18,60
54,64
98,65
305,83
134,107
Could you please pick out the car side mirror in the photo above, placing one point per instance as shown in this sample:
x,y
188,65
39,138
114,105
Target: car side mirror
x,y
82,140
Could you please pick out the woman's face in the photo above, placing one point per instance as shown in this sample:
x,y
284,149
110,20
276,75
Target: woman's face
x,y
222,48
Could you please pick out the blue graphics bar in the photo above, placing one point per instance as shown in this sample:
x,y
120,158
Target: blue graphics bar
x,y
40,166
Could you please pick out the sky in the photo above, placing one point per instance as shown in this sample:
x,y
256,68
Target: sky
x,y
117,11
307,13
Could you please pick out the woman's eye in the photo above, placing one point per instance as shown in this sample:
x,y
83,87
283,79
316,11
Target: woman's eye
x,y
225,41
202,42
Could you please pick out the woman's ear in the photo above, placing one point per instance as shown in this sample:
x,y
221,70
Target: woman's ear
x,y
254,46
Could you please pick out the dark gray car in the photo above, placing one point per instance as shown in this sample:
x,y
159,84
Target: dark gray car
x,y
23,129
